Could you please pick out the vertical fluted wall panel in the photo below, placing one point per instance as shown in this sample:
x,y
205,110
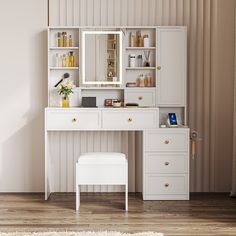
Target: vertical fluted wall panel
x,y
200,16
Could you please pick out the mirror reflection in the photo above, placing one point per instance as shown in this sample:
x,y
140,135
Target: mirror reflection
x,y
102,57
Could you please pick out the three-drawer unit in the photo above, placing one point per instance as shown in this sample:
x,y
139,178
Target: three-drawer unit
x,y
166,164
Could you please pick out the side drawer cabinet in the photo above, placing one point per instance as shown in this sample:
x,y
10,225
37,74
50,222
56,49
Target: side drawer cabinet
x,y
166,164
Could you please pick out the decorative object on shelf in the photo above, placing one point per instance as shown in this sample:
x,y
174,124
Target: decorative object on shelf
x,y
65,88
146,41
132,60
131,84
89,102
57,60
139,39
65,76
108,102
131,40
131,105
140,81
65,60
70,41
140,60
116,103
59,44
147,58
64,39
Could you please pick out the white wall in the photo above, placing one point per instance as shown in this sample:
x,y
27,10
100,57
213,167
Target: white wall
x,y
23,94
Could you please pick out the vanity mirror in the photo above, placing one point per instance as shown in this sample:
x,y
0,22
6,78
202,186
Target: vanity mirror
x,y
101,57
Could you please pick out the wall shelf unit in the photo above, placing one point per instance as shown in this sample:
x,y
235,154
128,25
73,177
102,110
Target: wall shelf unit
x,y
162,42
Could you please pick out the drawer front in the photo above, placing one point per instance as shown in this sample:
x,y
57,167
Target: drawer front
x,y
73,120
129,120
166,163
167,141
174,184
142,97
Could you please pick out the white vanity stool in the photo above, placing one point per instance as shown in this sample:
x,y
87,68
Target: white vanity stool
x,y
102,168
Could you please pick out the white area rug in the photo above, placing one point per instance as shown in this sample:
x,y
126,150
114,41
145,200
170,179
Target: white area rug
x,y
81,234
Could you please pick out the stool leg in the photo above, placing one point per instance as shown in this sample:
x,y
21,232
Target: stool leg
x,y
77,189
126,197
77,197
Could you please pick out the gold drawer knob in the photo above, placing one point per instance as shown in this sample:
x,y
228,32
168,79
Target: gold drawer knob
x,y
167,185
140,98
74,120
167,163
130,120
158,67
167,141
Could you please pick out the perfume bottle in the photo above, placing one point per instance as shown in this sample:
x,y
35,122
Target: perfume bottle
x,y
59,39
57,60
70,41
64,61
139,39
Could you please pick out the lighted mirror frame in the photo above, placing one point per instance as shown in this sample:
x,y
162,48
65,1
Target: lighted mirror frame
x,y
84,33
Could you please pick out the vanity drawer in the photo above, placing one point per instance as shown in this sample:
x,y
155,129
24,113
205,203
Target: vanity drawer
x,y
171,184
166,163
143,97
127,119
73,120
167,140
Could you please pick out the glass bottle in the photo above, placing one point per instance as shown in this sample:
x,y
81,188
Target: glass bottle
x,y
131,40
57,60
71,59
139,39
70,41
64,60
58,39
64,39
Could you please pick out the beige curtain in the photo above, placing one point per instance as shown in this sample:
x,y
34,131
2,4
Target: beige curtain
x,y
233,191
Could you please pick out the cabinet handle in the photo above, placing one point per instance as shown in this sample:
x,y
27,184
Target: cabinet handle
x,y
74,120
130,120
167,163
167,185
158,67
167,142
140,98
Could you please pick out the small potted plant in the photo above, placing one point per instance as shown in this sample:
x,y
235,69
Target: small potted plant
x,y
65,88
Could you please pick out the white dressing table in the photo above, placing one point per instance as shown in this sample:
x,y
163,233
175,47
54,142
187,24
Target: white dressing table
x,y
164,151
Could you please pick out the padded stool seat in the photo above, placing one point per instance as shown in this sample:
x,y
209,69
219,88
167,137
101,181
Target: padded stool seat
x,y
102,168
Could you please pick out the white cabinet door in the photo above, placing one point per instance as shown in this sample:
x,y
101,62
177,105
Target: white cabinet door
x,y
171,66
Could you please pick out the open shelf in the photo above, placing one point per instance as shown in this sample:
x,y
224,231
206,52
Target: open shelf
x,y
140,68
64,48
64,68
101,88
140,48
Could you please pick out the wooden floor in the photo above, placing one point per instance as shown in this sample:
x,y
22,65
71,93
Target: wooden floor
x,y
204,214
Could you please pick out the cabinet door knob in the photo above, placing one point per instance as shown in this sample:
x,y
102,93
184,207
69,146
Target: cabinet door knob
x,y
74,120
140,98
167,185
158,67
130,120
167,163
167,142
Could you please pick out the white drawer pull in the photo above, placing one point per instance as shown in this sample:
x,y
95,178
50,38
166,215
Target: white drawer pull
x,y
167,142
167,163
167,185
74,120
130,120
